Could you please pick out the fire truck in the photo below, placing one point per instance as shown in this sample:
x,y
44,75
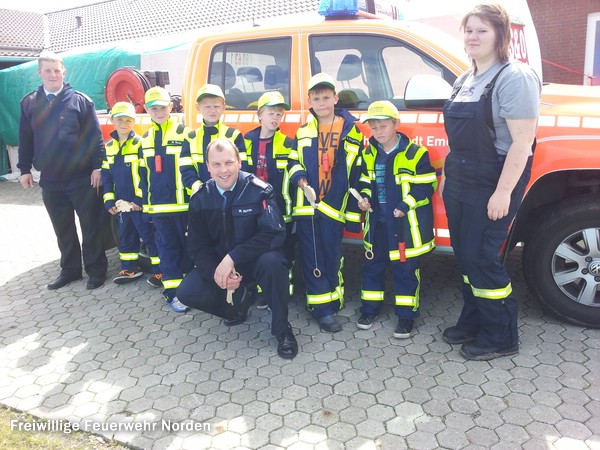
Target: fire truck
x,y
373,58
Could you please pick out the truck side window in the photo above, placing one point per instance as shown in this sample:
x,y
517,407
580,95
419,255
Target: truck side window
x,y
246,69
369,67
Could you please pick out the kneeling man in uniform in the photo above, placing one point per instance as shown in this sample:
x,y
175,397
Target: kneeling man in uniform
x,y
235,238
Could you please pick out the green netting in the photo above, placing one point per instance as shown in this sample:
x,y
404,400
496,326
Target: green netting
x,y
87,71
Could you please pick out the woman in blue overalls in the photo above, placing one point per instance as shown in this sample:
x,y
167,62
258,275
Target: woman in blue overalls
x,y
490,121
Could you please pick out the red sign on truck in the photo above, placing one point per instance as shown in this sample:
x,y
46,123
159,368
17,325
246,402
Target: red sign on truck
x,y
518,43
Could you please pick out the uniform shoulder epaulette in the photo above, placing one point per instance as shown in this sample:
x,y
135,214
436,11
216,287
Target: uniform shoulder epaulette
x,y
203,187
266,187
258,182
180,128
192,134
136,140
288,142
146,133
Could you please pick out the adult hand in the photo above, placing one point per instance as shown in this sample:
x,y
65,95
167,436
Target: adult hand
x,y
114,211
398,213
233,281
26,180
96,179
224,276
498,205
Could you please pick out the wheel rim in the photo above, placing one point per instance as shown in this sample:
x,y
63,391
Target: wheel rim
x,y
576,266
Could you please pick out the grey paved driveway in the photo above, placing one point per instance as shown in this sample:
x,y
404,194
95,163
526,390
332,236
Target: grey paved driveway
x,y
118,362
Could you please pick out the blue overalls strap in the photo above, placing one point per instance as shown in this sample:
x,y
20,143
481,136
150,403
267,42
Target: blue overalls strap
x,y
487,90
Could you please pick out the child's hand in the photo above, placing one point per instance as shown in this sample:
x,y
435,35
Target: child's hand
x,y
365,205
135,207
398,213
114,211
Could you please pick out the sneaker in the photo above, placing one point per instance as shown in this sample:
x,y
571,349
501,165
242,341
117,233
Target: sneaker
x,y
155,280
176,305
404,328
125,276
366,321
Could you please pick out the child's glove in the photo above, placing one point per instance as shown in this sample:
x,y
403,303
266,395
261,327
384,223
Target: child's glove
x,y
123,206
310,195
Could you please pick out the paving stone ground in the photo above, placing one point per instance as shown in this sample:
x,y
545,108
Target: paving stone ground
x,y
118,362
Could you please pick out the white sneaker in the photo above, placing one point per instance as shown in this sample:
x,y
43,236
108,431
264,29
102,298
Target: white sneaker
x,y
177,306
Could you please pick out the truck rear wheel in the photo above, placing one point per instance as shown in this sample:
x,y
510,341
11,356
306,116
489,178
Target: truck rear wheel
x,y
561,262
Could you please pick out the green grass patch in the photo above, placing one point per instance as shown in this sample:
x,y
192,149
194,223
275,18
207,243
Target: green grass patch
x,y
12,438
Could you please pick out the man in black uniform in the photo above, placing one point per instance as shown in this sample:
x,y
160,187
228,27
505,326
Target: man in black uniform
x,y
60,135
235,235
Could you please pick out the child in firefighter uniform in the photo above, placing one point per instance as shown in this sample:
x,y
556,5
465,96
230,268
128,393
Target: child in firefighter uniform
x,y
397,184
165,199
210,103
267,151
326,157
123,196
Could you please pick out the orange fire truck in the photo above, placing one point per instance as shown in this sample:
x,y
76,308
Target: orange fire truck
x,y
373,59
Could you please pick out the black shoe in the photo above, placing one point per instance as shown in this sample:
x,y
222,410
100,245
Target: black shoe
x,y
63,280
329,324
242,300
262,302
366,321
287,346
454,335
404,328
95,282
476,353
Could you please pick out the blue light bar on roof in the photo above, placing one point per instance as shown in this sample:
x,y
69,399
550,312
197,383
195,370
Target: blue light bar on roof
x,y
330,8
355,8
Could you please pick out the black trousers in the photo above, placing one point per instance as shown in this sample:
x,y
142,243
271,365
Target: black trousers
x,y
270,271
63,201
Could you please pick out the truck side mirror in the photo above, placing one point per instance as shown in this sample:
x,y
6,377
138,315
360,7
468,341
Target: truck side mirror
x,y
426,92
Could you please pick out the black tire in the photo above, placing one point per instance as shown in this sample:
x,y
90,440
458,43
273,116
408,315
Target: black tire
x,y
561,262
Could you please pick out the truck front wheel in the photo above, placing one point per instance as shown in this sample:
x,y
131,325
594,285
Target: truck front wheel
x,y
561,262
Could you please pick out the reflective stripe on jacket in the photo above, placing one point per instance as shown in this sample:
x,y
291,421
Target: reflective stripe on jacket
x,y
191,164
163,190
410,182
304,163
120,171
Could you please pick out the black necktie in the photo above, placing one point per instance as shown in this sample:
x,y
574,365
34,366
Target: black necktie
x,y
228,195
51,97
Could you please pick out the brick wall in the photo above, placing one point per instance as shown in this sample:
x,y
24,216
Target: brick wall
x,y
561,28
